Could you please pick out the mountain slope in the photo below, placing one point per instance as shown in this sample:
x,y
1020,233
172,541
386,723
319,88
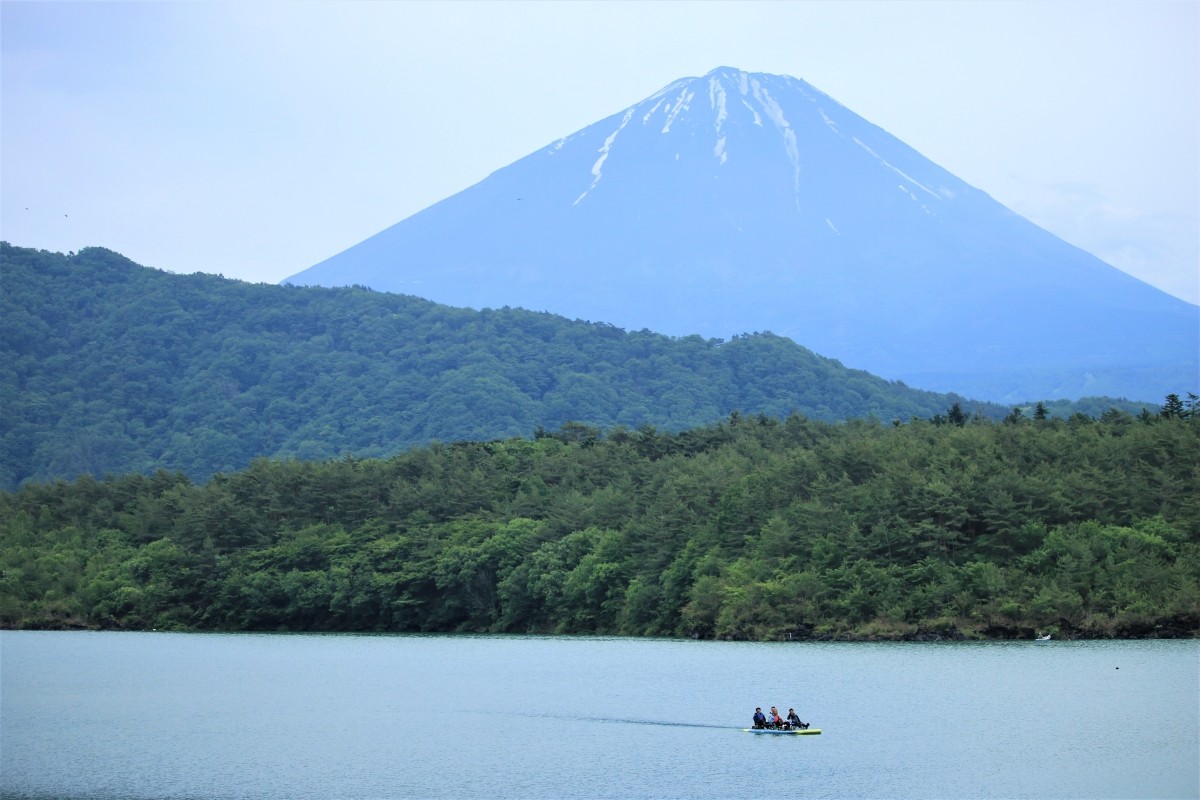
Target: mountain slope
x,y
744,202
109,367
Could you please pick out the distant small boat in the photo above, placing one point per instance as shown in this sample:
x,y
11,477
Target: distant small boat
x,y
793,731
1045,638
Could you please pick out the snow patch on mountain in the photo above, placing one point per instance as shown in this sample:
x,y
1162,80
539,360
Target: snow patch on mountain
x,y
650,113
757,118
899,172
716,99
775,113
608,143
682,103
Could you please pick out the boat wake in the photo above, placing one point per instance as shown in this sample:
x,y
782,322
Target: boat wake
x,y
625,721
660,722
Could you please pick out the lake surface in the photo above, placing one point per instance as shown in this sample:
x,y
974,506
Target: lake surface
x,y
168,715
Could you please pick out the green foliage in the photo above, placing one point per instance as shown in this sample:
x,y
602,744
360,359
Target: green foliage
x,y
748,528
107,367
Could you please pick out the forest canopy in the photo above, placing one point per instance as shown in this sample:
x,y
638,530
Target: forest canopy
x,y
107,367
750,528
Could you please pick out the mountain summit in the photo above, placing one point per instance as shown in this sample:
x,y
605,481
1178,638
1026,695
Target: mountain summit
x,y
742,202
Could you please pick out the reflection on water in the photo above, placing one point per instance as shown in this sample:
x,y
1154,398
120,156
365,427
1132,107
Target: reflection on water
x,y
106,715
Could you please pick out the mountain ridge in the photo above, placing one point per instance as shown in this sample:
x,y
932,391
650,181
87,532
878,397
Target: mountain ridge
x,y
111,367
739,202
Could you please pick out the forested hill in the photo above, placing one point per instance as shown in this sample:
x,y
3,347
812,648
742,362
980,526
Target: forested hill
x,y
113,368
750,528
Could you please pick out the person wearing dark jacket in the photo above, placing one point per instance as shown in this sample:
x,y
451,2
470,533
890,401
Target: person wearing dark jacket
x,y
794,721
760,719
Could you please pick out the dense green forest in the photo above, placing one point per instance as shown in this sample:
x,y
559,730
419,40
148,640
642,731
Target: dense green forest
x,y
107,367
752,527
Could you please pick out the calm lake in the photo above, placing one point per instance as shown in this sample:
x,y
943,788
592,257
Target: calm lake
x,y
168,715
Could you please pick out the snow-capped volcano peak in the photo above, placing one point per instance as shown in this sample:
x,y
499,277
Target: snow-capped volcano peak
x,y
740,201
730,118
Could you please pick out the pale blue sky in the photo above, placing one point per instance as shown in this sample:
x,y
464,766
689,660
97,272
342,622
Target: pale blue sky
x,y
256,139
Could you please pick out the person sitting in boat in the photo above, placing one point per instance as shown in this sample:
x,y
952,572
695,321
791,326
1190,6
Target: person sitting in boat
x,y
775,721
760,719
794,722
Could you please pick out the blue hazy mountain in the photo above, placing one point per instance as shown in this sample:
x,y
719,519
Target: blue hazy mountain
x,y
741,202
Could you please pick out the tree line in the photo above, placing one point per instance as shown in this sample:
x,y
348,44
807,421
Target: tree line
x,y
753,527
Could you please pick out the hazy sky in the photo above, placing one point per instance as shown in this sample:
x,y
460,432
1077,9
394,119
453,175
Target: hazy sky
x,y
258,138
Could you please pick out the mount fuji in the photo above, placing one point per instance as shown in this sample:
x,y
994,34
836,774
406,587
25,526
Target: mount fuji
x,y
740,202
